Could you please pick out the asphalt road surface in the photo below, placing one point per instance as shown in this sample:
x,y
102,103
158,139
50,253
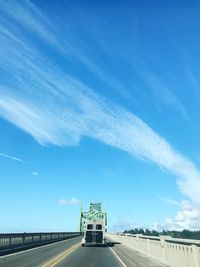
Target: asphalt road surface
x,y
69,253
37,257
91,257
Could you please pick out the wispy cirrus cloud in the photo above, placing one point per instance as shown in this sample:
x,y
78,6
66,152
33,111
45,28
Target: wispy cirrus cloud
x,y
89,115
30,17
11,157
193,81
158,87
55,108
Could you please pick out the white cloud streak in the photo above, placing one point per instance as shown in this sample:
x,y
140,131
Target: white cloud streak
x,y
57,109
34,173
12,158
170,201
88,115
25,13
30,17
158,87
72,201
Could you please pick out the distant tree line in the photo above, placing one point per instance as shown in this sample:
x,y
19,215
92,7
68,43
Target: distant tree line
x,y
176,234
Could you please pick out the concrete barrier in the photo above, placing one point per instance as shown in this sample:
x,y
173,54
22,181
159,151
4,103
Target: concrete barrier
x,y
173,252
12,242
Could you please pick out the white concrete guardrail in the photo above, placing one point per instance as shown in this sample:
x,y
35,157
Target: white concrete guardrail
x,y
174,252
14,241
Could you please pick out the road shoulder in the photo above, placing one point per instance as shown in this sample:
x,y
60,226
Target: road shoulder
x,y
132,258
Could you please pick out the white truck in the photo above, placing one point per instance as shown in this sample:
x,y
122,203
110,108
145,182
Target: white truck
x,y
93,225
94,233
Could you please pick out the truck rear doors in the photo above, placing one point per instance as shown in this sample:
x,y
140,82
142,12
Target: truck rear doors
x,y
94,237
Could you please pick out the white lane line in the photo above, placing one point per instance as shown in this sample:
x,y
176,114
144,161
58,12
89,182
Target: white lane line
x,y
118,257
31,249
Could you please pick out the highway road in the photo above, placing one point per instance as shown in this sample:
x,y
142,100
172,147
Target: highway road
x,y
90,257
70,253
36,257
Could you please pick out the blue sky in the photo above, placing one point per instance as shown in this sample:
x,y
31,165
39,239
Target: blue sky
x,y
99,102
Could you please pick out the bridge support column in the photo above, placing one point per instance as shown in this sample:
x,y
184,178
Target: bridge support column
x,y
138,241
148,247
10,240
163,245
195,255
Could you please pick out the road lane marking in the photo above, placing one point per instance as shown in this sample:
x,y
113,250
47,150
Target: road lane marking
x,y
70,251
61,256
118,257
31,249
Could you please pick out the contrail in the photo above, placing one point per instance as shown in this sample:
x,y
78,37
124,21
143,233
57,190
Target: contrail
x,y
10,157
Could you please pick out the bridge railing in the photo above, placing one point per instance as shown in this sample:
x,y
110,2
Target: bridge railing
x,y
173,252
14,241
